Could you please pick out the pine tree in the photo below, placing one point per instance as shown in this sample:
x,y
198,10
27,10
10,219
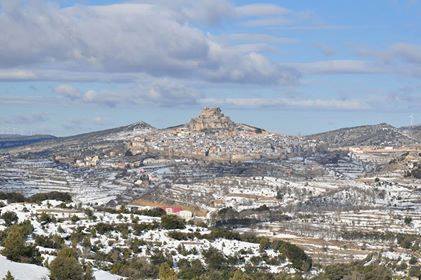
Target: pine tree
x,y
66,266
9,218
9,276
15,247
166,272
14,244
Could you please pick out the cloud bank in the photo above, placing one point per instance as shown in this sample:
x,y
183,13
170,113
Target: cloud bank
x,y
152,38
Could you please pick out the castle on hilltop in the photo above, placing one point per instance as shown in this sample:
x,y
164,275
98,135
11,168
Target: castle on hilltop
x,y
210,119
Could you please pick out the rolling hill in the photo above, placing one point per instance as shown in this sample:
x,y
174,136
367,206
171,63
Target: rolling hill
x,y
12,140
367,135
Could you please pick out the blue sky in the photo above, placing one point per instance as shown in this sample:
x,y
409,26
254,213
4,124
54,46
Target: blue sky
x,y
295,67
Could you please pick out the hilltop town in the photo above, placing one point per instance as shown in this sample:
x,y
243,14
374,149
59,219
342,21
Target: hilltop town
x,y
214,137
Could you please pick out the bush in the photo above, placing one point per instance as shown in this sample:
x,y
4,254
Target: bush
x,y
190,270
9,276
52,241
240,275
139,228
15,248
357,271
9,218
90,214
172,222
135,268
26,227
166,272
154,212
299,259
407,241
12,197
14,244
89,272
135,245
413,260
74,219
215,259
408,220
102,228
264,244
415,271
44,218
61,196
66,266
158,258
177,235
223,233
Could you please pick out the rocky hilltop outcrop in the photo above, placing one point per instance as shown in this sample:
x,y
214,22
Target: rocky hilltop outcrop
x,y
210,119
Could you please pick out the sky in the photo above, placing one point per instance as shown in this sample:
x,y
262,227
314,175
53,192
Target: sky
x,y
294,67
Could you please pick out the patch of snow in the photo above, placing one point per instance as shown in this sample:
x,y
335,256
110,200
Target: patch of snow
x,y
22,271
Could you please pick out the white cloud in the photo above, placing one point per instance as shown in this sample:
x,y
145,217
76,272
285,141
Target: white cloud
x,y
163,92
207,11
107,98
260,22
26,119
253,10
204,11
169,94
10,75
255,37
252,68
325,49
83,124
333,104
152,38
99,120
68,91
337,67
400,58
408,52
399,52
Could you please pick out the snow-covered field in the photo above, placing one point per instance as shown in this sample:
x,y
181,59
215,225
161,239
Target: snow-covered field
x,y
24,271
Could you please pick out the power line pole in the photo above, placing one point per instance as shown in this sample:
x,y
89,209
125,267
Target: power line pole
x,y
411,125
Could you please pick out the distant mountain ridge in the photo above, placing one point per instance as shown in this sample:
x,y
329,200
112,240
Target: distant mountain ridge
x,y
14,140
210,136
412,131
212,120
89,140
101,133
366,135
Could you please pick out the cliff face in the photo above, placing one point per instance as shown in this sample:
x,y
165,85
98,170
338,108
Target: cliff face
x,y
210,119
